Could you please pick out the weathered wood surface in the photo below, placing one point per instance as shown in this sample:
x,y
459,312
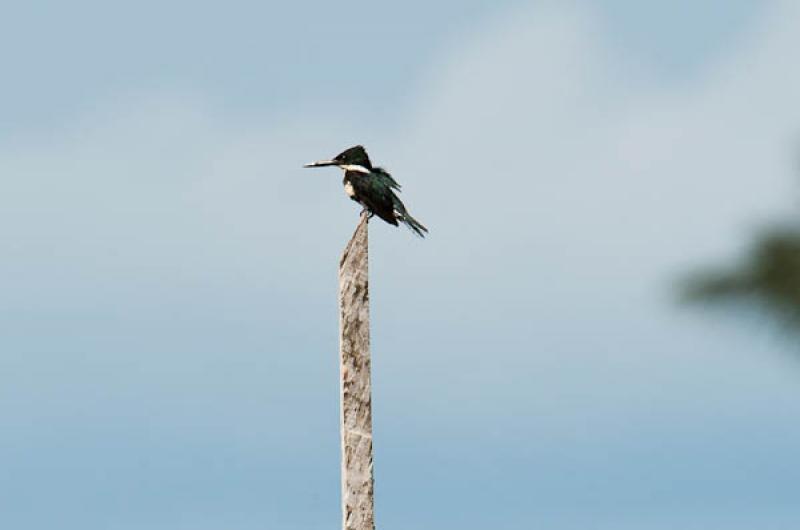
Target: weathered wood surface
x,y
355,384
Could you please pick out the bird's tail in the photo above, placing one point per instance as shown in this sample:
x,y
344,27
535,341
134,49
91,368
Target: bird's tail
x,y
402,215
413,224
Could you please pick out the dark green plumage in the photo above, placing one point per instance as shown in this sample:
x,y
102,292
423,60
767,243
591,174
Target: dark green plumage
x,y
372,187
382,173
375,191
355,155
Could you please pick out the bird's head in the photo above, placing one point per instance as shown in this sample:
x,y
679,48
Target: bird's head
x,y
353,159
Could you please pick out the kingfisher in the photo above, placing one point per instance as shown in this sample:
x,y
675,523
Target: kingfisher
x,y
372,187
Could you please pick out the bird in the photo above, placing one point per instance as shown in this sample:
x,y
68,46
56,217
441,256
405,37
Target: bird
x,y
372,187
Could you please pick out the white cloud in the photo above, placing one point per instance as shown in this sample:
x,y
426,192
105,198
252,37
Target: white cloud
x,y
565,195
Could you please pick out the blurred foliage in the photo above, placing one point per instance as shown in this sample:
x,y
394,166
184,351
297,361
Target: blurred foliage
x,y
769,278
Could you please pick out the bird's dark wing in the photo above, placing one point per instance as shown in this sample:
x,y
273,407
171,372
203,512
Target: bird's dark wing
x,y
387,177
375,192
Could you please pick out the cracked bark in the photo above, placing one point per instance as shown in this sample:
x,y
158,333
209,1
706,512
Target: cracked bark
x,y
355,385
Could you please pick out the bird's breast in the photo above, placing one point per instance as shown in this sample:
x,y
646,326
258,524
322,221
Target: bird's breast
x,y
348,189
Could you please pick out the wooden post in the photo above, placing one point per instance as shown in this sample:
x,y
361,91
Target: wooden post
x,y
355,385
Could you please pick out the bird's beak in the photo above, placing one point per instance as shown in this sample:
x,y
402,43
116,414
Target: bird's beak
x,y
321,163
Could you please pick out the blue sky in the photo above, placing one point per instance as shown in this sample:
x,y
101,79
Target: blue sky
x,y
168,338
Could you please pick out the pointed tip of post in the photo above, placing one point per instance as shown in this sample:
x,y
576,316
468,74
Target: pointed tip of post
x,y
360,237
